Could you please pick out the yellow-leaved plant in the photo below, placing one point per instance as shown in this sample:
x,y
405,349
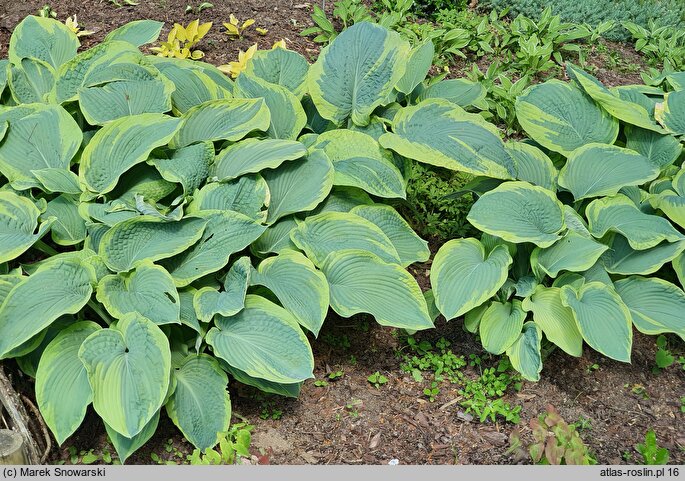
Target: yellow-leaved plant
x,y
235,29
181,40
234,68
72,24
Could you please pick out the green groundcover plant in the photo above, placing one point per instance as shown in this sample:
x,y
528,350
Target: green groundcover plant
x,y
199,227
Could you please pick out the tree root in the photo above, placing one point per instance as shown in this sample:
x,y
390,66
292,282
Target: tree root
x,y
17,419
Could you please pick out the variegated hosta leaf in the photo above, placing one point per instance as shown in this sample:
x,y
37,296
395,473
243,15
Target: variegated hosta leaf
x,y
343,199
299,185
359,161
200,405
31,81
141,238
533,165
519,212
58,287
229,119
459,91
124,446
188,166
188,316
55,180
356,72
280,66
321,235
678,266
419,62
362,282
120,145
555,319
656,306
670,113
247,194
622,259
661,150
573,252
619,214
562,118
63,392
128,367
524,353
598,169
672,202
288,390
18,222
68,227
409,246
463,276
148,290
603,319
264,341
501,325
142,181
441,133
43,39
208,301
253,156
138,32
298,285
275,238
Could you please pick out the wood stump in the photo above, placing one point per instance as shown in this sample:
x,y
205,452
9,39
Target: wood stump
x,y
17,421
11,448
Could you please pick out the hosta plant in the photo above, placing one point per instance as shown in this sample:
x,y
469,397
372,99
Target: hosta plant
x,y
582,225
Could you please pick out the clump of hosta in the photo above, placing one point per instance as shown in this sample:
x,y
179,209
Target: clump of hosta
x,y
163,228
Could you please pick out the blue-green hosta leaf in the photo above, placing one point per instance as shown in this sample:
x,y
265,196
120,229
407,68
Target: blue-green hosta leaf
x,y
344,199
323,234
62,389
410,247
275,238
247,194
463,276
28,363
228,119
356,72
561,117
619,214
287,115
188,166
148,290
519,212
656,306
281,67
55,180
4,66
254,156
108,214
419,62
39,137
141,238
459,91
18,222
68,227
661,150
299,185
622,259
124,446
670,113
441,133
200,405
533,165
362,282
555,319
120,145
287,390
85,256
58,287
226,233
501,325
142,180
128,366
603,319
7,283
31,81
208,301
524,353
573,252
298,285
138,32
595,170
43,39
359,161
672,204
678,266
264,341
188,316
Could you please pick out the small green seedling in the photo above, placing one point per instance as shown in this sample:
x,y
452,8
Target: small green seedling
x,y
377,379
650,450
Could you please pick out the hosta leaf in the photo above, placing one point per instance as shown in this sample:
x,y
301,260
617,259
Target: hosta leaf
x,y
619,214
524,353
287,390
138,32
55,180
298,285
31,81
188,316
671,204
253,156
597,169
670,113
18,222
463,276
108,214
321,235
128,368
58,287
275,238
124,446
362,282
561,117
359,161
141,238
208,301
409,246
440,133
459,91
661,150
656,306
264,341
343,199
356,72
68,227
622,259
678,266
533,165
603,319
62,389
555,319
501,325
43,39
120,145
287,115
419,62
229,119
281,67
247,194
188,166
225,234
200,405
148,290
573,252
299,185
519,212
142,180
